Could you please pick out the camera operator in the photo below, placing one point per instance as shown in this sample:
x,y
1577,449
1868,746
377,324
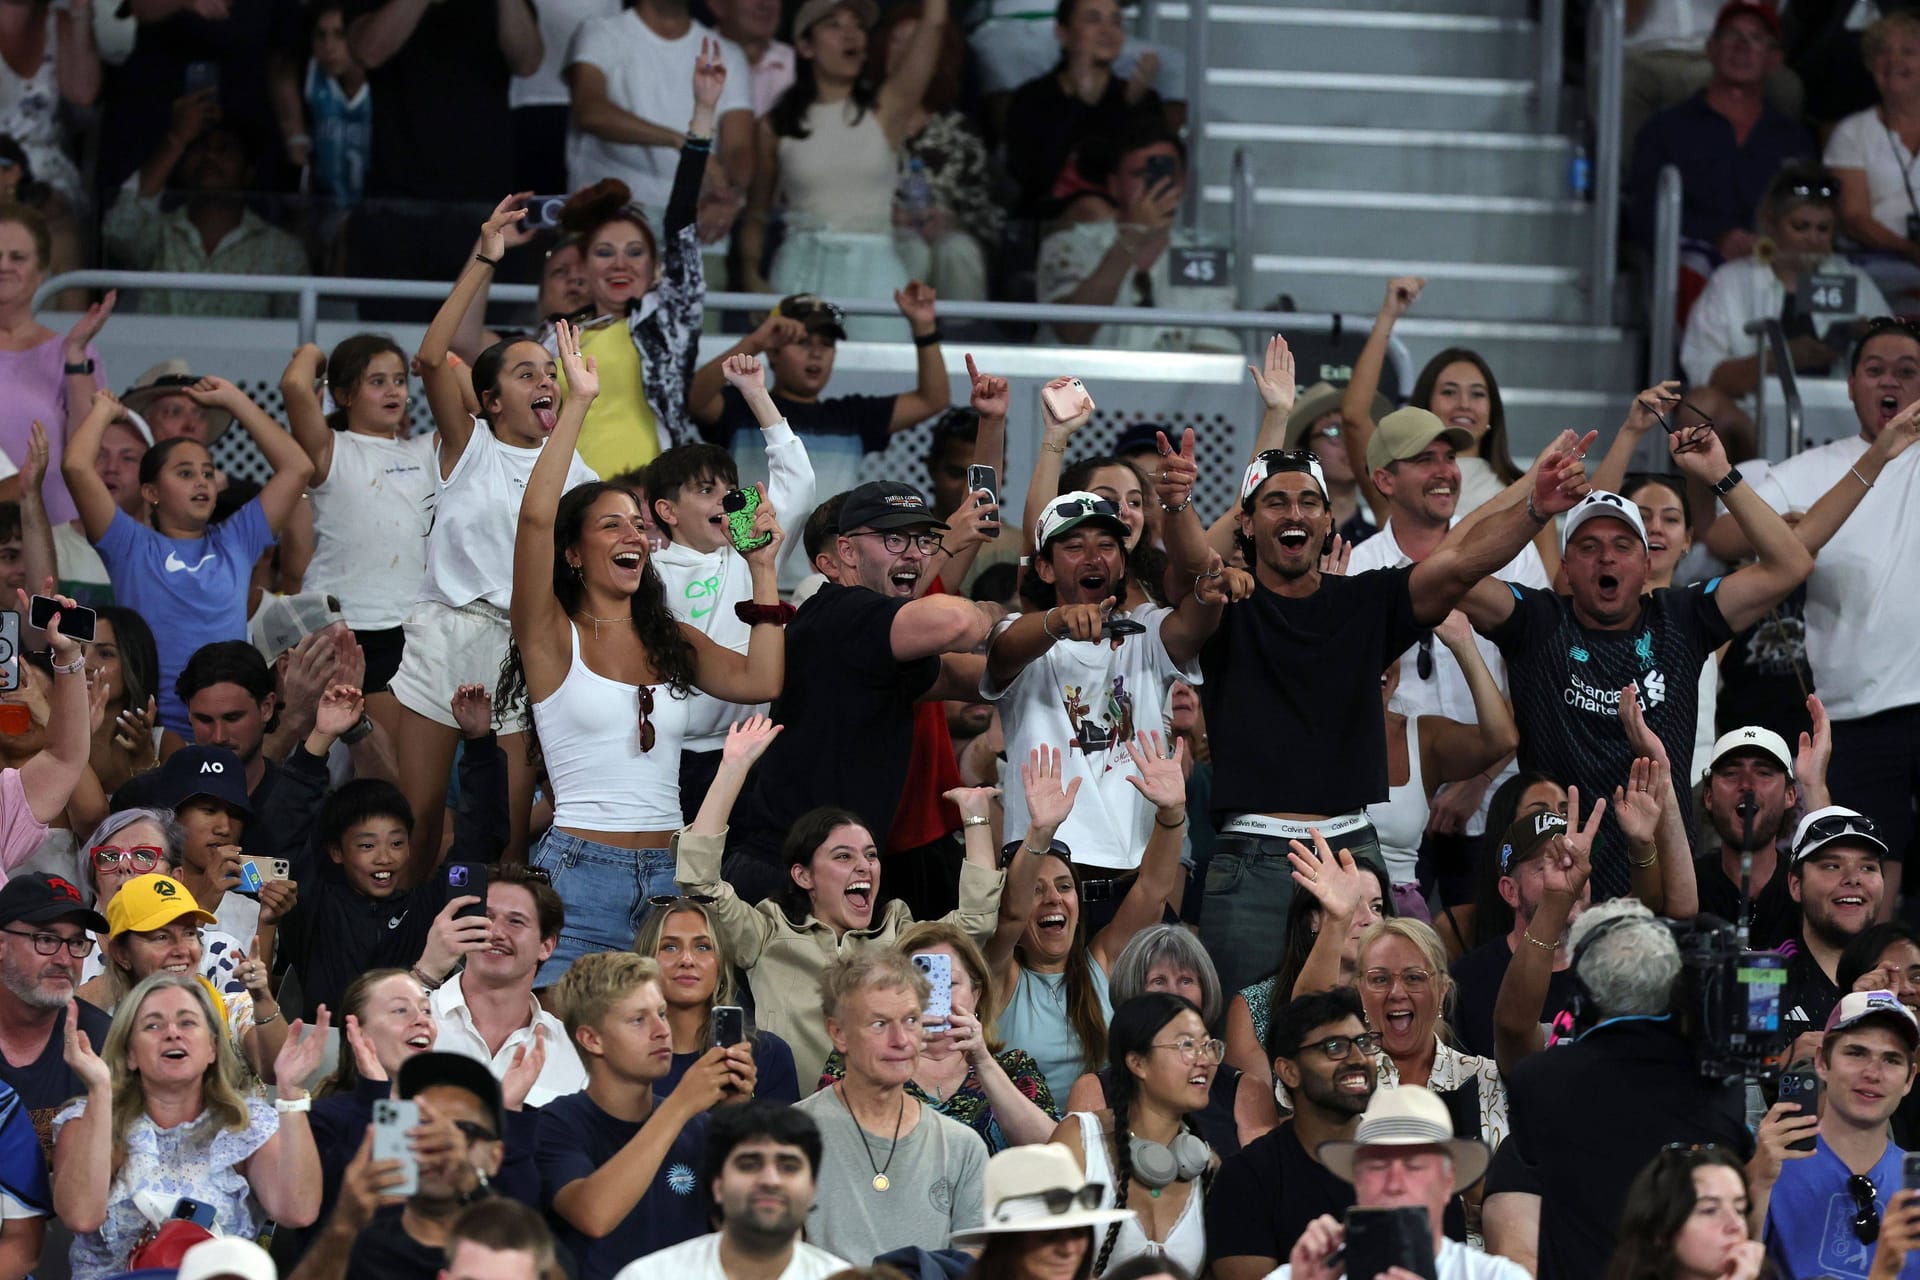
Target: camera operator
x,y
1589,1115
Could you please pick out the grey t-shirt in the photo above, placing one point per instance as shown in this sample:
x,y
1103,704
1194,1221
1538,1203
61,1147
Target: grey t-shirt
x,y
935,1183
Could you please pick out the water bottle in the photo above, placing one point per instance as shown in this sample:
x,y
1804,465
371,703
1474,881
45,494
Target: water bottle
x,y
916,197
1580,172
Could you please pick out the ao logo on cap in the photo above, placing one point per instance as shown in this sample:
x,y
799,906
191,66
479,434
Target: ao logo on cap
x,y
163,887
212,766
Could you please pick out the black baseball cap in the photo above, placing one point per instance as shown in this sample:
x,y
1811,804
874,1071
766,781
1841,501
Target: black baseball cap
x,y
214,772
815,312
38,898
425,1070
1143,435
887,504
1527,837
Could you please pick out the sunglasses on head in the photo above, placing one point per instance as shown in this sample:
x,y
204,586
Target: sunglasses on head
x,y
675,899
646,721
1835,826
1819,190
1074,508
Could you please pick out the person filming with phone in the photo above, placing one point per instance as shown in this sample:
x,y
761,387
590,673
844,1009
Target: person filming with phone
x,y
1405,1165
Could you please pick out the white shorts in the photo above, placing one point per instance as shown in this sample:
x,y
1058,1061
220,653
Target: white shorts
x,y
449,647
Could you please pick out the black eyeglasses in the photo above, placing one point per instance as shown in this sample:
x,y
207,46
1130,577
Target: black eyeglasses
x,y
1339,1048
1689,436
895,542
1056,1200
675,899
1423,660
48,944
1866,1214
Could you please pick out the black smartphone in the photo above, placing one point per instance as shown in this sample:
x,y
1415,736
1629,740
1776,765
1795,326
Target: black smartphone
x,y
978,478
186,1209
729,1025
1803,1089
543,212
464,878
1122,626
76,623
1910,1171
1380,1239
1160,169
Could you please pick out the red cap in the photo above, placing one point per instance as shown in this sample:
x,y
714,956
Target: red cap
x,y
1750,8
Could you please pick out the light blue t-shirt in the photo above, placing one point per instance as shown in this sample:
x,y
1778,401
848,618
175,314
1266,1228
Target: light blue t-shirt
x,y
342,135
1810,1216
1035,1019
191,591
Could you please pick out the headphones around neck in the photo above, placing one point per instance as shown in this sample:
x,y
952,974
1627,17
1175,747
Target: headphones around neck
x,y
1157,1164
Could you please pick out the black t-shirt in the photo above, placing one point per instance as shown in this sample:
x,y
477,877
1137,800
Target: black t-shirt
x,y
1776,916
1477,976
1809,995
47,1083
1765,677
384,1251
848,711
1588,1116
868,419
1264,1197
1566,679
441,128
1293,695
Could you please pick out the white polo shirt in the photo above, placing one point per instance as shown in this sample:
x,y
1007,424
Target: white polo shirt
x,y
563,1072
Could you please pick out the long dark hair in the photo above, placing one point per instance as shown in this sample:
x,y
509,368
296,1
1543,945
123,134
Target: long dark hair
x,y
348,364
809,831
1135,1024
139,656
486,370
1083,1002
1493,445
788,119
1658,1205
668,649
1000,1260
1492,917
154,461
1298,944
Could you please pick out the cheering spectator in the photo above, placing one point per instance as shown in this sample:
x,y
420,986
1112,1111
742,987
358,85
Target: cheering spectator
x,y
1686,1214
213,230
386,1019
38,791
181,1127
459,630
617,1160
1456,385
37,391
752,24
187,576
1835,876
125,662
1314,423
61,551
827,159
131,843
44,928
1872,152
999,1093
1866,1063
1081,98
582,556
334,138
698,975
1116,244
831,903
927,1185
1637,1081
647,303
944,217
761,1168
1750,790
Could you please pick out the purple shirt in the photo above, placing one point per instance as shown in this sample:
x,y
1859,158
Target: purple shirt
x,y
33,387
20,832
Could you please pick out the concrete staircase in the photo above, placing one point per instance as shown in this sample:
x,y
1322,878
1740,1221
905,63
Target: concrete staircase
x,y
1397,137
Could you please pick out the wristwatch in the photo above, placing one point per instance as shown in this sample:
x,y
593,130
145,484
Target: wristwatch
x,y
1728,483
84,368
358,731
289,1106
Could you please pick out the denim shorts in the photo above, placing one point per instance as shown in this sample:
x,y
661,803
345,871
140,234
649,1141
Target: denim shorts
x,y
605,891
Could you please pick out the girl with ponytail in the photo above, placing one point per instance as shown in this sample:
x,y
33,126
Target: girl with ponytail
x,y
1147,1149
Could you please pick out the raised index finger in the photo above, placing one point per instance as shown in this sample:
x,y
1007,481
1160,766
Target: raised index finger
x,y
973,371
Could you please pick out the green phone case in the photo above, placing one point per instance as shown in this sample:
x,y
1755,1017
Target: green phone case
x,y
741,507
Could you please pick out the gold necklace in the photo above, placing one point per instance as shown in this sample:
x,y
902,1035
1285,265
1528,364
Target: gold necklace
x,y
625,617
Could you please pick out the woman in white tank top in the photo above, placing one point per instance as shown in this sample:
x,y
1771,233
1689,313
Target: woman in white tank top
x,y
608,670
1434,750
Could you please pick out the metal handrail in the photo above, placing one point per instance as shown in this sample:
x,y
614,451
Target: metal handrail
x,y
1197,14
310,289
1606,61
1770,338
1243,191
1552,33
1665,285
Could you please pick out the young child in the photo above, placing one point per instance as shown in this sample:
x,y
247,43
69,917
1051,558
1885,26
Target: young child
x,y
339,109
618,1164
706,576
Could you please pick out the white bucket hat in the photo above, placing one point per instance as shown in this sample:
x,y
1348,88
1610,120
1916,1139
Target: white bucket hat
x,y
1039,1188
1408,1116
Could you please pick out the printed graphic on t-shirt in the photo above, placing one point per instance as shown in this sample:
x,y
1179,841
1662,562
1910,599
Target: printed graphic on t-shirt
x,y
1841,1253
1102,719
701,590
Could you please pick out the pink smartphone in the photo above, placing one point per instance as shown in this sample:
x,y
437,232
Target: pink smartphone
x,y
1064,398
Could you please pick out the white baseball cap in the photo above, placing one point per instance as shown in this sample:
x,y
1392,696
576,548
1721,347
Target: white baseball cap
x,y
1754,738
1274,461
1075,508
1602,504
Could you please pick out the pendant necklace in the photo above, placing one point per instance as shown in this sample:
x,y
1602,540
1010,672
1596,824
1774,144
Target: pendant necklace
x,y
880,1180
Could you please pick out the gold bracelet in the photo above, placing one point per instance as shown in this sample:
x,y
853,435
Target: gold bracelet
x,y
976,821
1051,447
1651,859
1544,946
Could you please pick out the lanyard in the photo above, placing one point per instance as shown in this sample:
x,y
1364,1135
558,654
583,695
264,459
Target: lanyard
x,y
1906,170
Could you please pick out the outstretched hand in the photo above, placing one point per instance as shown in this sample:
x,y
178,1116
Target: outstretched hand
x,y
583,375
748,740
1560,478
1178,472
1160,777
991,393
1047,803
1275,376
1338,883
709,74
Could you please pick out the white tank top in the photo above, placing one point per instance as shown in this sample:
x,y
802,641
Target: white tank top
x,y
370,521
1402,820
1186,1244
840,177
590,734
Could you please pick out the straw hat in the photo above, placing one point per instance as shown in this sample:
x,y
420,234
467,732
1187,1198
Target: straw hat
x,y
1408,1116
1039,1188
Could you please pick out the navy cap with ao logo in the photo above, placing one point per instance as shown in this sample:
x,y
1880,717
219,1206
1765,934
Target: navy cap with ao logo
x,y
213,772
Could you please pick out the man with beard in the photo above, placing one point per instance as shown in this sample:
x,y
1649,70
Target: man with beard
x,y
762,1163
1750,790
43,919
1478,974
1835,876
1568,657
1292,691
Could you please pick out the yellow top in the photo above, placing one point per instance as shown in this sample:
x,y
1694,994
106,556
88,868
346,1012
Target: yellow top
x,y
620,433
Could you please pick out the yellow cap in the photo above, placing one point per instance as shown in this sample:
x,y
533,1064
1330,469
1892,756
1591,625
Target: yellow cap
x,y
150,902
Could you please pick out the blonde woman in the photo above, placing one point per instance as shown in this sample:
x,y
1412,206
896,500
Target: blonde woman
x,y
964,1071
163,1117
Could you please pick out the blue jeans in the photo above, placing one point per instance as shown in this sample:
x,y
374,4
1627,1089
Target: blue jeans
x,y
1243,923
605,890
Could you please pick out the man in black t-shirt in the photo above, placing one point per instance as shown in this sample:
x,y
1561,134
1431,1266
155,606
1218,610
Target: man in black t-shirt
x,y
1568,657
42,919
860,653
1292,690
1751,765
1835,876
1478,974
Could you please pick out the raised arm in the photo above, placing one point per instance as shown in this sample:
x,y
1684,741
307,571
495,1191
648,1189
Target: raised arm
x,y
1453,751
78,388
285,1173
1342,888
445,396
298,392
536,612
1048,805
936,625
51,775
90,493
1668,887
1523,992
1043,486
978,519
1746,594
931,392
697,850
1822,520
83,1153
909,74
705,393
36,531
289,462
1356,406
1611,474
1278,385
1162,779
696,152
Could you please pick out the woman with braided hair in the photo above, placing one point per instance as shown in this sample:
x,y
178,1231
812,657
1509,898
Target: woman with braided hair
x,y
1147,1149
